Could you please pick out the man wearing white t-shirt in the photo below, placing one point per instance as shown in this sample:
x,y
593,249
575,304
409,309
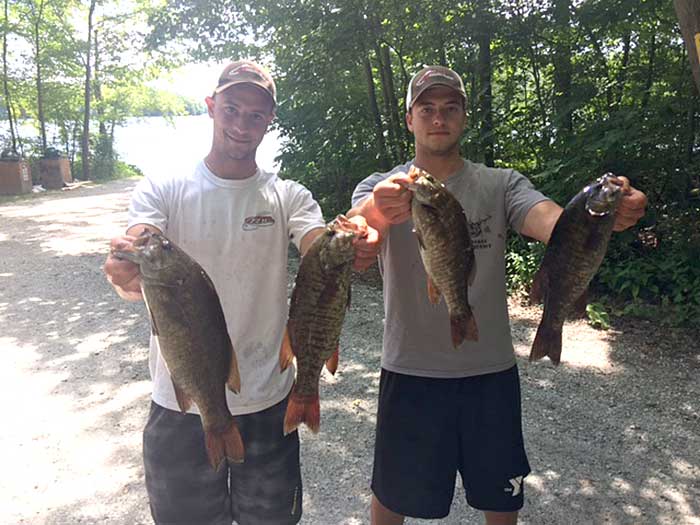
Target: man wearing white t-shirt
x,y
236,221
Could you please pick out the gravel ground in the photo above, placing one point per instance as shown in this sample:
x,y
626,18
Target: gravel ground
x,y
613,434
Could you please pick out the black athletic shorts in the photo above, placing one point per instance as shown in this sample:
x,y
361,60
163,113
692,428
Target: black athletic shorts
x,y
428,429
184,489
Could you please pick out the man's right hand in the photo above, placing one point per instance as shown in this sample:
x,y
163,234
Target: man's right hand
x,y
392,198
124,275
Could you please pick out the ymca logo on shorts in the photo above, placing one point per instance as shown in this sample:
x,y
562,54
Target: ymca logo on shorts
x,y
516,486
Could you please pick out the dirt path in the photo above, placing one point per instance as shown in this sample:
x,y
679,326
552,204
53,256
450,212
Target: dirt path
x,y
613,434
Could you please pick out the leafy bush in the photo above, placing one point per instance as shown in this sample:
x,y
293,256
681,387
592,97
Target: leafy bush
x,y
657,274
522,261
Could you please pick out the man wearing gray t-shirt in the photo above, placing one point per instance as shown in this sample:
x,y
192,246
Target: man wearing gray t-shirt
x,y
443,410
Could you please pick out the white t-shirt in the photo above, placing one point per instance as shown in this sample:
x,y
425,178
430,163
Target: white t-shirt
x,y
239,232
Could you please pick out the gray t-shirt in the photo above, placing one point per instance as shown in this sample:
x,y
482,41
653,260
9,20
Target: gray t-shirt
x,y
417,337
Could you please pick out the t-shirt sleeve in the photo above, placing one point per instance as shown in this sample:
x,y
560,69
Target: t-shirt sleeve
x,y
148,205
520,197
304,212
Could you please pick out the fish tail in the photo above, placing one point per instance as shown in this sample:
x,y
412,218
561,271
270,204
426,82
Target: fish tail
x,y
302,409
547,343
222,444
463,327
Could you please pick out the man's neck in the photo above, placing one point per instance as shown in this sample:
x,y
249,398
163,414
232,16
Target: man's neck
x,y
231,169
440,167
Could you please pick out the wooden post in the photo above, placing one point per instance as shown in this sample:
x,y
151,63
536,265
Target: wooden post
x,y
688,12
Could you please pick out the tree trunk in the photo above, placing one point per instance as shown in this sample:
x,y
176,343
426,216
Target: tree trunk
x,y
376,116
5,78
650,72
439,38
98,87
390,93
485,99
562,69
622,75
39,88
85,143
692,106
688,13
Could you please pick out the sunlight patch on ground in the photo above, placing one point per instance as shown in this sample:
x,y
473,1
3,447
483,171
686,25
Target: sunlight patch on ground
x,y
577,349
53,421
685,469
535,481
73,226
668,499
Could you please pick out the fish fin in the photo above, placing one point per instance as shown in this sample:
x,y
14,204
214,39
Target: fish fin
x,y
472,271
420,239
226,444
547,343
470,260
539,286
578,309
433,291
332,362
234,376
184,401
286,353
154,326
463,327
302,409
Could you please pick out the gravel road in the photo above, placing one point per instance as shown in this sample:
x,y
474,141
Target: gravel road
x,y
613,434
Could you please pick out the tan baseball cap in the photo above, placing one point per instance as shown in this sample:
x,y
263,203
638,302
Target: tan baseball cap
x,y
431,76
247,72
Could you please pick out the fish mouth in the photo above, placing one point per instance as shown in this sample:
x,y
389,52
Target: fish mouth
x,y
126,254
131,251
604,193
344,226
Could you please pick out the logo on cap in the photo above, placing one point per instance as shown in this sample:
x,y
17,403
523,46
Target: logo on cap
x,y
245,68
431,73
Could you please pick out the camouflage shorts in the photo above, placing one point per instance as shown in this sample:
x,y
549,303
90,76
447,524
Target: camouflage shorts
x,y
184,489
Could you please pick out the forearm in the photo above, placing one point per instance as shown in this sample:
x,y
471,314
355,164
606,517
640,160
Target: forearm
x,y
138,229
540,220
372,215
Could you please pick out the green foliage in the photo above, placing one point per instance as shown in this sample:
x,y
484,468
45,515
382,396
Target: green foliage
x,y
522,262
597,316
657,275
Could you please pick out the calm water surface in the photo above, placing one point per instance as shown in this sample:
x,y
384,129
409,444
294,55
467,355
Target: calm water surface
x,y
159,147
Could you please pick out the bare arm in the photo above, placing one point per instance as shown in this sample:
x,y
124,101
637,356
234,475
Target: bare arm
x,y
540,220
124,275
309,238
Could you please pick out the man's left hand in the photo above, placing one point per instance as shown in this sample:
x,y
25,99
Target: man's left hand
x,y
631,208
366,246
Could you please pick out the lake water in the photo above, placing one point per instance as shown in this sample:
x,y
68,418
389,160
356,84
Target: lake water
x,y
158,147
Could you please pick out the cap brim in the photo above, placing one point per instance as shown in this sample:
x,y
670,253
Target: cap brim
x,y
432,85
224,87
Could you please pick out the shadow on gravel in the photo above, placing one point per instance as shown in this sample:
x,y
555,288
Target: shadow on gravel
x,y
614,439
611,441
82,352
